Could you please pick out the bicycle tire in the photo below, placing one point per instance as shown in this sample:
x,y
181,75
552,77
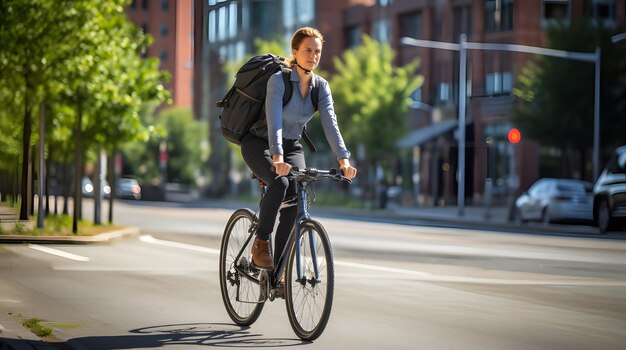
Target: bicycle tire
x,y
232,283
309,303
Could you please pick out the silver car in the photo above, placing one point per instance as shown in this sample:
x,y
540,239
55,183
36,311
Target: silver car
x,y
551,200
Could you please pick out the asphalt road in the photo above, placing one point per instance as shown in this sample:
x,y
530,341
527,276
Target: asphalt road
x,y
398,286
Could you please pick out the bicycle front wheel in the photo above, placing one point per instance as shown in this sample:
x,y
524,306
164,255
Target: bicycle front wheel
x,y
241,294
309,299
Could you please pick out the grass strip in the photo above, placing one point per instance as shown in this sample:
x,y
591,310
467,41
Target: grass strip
x,y
35,326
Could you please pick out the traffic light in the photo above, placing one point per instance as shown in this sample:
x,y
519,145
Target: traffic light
x,y
514,136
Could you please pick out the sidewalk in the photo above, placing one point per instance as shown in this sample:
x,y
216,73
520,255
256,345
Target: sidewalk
x,y
496,218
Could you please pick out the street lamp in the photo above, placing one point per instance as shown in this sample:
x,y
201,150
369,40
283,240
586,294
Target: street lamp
x,y
618,37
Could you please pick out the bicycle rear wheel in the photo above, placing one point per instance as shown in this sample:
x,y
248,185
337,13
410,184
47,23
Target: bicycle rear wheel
x,y
309,300
241,294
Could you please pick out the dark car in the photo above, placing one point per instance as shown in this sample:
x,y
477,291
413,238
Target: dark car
x,y
609,202
128,189
551,200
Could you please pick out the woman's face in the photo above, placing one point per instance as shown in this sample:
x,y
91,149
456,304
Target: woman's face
x,y
309,53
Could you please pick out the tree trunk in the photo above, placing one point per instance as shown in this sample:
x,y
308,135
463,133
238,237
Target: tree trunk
x,y
66,185
26,175
112,175
78,170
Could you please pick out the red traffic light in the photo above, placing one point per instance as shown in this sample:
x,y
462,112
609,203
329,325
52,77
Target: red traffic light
x,y
514,135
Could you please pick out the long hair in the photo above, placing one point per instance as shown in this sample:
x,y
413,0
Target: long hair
x,y
298,37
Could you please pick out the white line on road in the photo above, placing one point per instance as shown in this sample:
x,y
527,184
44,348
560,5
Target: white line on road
x,y
382,268
58,252
423,276
150,239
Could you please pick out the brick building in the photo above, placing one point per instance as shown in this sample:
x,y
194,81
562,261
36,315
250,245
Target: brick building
x,y
430,151
170,23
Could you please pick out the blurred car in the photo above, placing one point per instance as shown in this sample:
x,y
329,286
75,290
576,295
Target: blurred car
x,y
609,201
549,200
128,189
87,188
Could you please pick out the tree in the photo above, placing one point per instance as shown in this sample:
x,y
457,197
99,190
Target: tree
x,y
82,59
371,97
35,36
183,136
556,96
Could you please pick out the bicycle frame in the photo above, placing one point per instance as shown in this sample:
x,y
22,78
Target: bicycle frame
x,y
303,214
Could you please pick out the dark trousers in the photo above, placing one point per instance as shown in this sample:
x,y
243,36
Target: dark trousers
x,y
256,154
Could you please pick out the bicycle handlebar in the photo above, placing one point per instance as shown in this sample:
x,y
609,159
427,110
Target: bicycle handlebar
x,y
312,174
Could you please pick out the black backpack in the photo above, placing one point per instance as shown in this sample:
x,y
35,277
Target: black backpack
x,y
243,106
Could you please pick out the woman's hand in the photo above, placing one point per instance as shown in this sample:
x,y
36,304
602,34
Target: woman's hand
x,y
281,168
348,170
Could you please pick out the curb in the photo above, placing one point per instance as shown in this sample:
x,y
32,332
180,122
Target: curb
x,y
16,337
100,238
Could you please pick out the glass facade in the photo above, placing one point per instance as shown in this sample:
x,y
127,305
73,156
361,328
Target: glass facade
x,y
233,26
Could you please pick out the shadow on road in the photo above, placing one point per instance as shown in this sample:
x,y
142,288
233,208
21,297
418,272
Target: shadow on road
x,y
203,334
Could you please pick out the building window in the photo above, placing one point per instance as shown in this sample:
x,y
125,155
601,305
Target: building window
x,y
444,92
556,11
163,56
603,11
411,25
165,5
144,4
498,15
163,30
498,83
264,19
133,4
499,78
382,30
353,37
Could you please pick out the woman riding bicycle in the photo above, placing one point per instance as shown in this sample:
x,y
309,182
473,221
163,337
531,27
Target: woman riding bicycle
x,y
282,149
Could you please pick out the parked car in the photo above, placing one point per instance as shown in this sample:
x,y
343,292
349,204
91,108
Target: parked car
x,y
128,189
609,200
87,188
551,200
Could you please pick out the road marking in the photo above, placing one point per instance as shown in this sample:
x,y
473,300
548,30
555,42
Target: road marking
x,y
427,277
420,275
382,268
152,240
58,252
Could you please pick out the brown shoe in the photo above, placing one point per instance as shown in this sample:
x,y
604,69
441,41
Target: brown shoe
x,y
261,257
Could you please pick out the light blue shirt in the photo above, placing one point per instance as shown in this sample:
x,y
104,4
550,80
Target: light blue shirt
x,y
287,122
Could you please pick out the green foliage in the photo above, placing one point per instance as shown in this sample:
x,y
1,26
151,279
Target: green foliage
x,y
372,96
35,326
186,147
556,96
81,60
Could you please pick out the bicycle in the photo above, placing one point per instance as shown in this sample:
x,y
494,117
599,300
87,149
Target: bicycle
x,y
306,260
